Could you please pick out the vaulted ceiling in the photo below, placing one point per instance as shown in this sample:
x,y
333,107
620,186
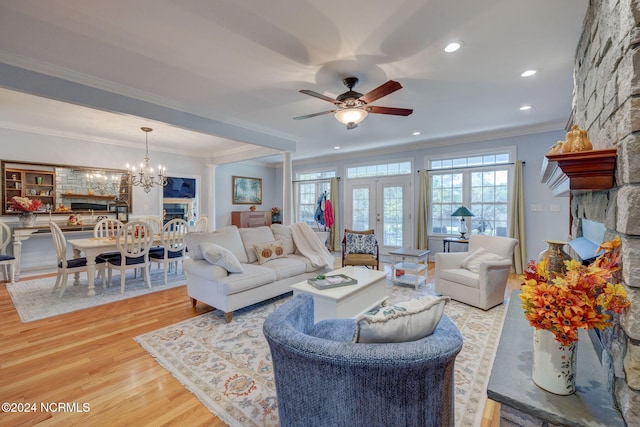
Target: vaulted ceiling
x,y
221,79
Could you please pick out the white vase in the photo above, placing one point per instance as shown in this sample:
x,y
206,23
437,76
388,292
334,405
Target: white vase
x,y
554,364
27,219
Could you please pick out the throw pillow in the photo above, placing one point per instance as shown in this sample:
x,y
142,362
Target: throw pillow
x,y
405,321
269,250
477,257
217,255
360,244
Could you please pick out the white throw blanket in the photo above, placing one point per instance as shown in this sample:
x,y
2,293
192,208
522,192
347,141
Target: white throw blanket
x,y
310,246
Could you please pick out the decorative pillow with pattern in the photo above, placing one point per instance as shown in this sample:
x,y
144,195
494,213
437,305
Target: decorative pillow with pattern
x,y
405,321
477,257
360,244
269,250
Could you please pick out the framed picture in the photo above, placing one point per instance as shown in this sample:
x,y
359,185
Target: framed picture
x,y
246,191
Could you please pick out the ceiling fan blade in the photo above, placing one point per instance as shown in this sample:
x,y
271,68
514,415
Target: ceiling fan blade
x,y
313,115
319,95
390,110
382,90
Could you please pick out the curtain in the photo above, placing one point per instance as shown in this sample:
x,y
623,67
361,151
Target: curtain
x,y
517,226
423,210
334,234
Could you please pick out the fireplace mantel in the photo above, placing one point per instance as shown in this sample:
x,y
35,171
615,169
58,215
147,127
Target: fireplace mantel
x,y
583,170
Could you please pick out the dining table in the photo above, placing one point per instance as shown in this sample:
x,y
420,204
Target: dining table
x,y
92,247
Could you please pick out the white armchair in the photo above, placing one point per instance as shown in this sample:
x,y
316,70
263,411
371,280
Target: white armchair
x,y
478,277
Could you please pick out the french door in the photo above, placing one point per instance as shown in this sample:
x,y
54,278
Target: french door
x,y
384,205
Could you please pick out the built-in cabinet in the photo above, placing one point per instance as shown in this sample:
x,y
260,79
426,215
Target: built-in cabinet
x,y
30,183
247,219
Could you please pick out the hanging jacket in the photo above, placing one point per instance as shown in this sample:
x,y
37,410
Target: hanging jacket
x,y
328,214
319,215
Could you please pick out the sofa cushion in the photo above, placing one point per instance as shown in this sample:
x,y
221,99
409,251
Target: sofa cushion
x,y
405,321
309,268
283,233
286,267
255,235
217,255
252,276
477,257
227,237
267,251
202,269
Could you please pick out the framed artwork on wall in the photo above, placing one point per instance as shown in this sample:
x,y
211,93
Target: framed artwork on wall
x,y
246,191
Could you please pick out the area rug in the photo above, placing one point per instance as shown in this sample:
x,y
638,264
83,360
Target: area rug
x,y
35,300
227,366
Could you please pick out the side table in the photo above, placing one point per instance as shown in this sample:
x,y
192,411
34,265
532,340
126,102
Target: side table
x,y
412,262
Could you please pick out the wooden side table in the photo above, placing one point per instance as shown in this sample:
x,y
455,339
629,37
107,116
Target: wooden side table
x,y
413,262
446,242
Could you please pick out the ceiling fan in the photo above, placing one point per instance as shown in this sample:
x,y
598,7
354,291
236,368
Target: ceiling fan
x,y
352,107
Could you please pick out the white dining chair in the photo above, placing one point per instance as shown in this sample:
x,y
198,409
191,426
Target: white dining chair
x,y
173,246
69,266
104,229
154,222
201,225
6,261
133,241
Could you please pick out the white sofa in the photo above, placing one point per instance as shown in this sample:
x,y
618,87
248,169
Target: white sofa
x,y
259,279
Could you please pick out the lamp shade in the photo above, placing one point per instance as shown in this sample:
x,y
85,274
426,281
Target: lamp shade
x,y
462,211
351,115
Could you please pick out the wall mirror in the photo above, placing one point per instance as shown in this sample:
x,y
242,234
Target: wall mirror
x,y
63,188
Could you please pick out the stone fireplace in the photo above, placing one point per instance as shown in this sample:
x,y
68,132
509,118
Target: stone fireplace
x,y
607,104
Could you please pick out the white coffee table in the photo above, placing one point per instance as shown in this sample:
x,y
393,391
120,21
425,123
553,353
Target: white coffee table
x,y
347,301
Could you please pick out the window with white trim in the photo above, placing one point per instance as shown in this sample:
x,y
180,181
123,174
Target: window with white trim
x,y
309,187
478,182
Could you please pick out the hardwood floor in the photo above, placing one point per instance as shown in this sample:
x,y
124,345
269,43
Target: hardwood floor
x,y
90,357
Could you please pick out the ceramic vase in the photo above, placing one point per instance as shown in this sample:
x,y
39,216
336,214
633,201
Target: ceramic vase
x,y
554,364
555,256
27,219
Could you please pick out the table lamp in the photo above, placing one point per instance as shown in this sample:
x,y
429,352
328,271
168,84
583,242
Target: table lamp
x,y
462,212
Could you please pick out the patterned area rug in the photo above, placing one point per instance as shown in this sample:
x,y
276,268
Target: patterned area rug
x,y
228,366
34,299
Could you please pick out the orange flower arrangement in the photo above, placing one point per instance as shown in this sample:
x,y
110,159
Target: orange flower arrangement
x,y
578,299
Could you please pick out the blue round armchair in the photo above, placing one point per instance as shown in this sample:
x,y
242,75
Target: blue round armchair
x,y
323,378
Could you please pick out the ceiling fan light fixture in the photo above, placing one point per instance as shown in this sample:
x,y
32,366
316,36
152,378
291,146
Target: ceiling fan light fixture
x,y
351,116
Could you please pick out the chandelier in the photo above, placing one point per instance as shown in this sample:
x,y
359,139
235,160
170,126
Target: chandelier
x,y
144,177
100,182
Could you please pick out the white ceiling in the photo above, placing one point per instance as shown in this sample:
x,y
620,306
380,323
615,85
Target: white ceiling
x,y
221,78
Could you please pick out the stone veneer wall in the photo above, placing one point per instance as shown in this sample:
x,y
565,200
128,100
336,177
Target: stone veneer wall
x,y
607,104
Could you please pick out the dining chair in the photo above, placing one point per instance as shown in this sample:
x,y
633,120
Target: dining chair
x,y
201,225
154,222
173,245
133,241
104,229
6,261
69,266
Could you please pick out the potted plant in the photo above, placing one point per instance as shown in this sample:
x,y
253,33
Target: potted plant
x,y
27,208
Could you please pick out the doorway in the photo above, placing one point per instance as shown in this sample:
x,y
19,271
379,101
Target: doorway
x,y
384,205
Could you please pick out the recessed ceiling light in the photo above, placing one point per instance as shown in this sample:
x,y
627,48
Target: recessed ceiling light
x,y
528,73
337,147
525,107
452,47
416,133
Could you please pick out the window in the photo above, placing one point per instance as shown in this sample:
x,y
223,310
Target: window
x,y
308,193
385,169
478,182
